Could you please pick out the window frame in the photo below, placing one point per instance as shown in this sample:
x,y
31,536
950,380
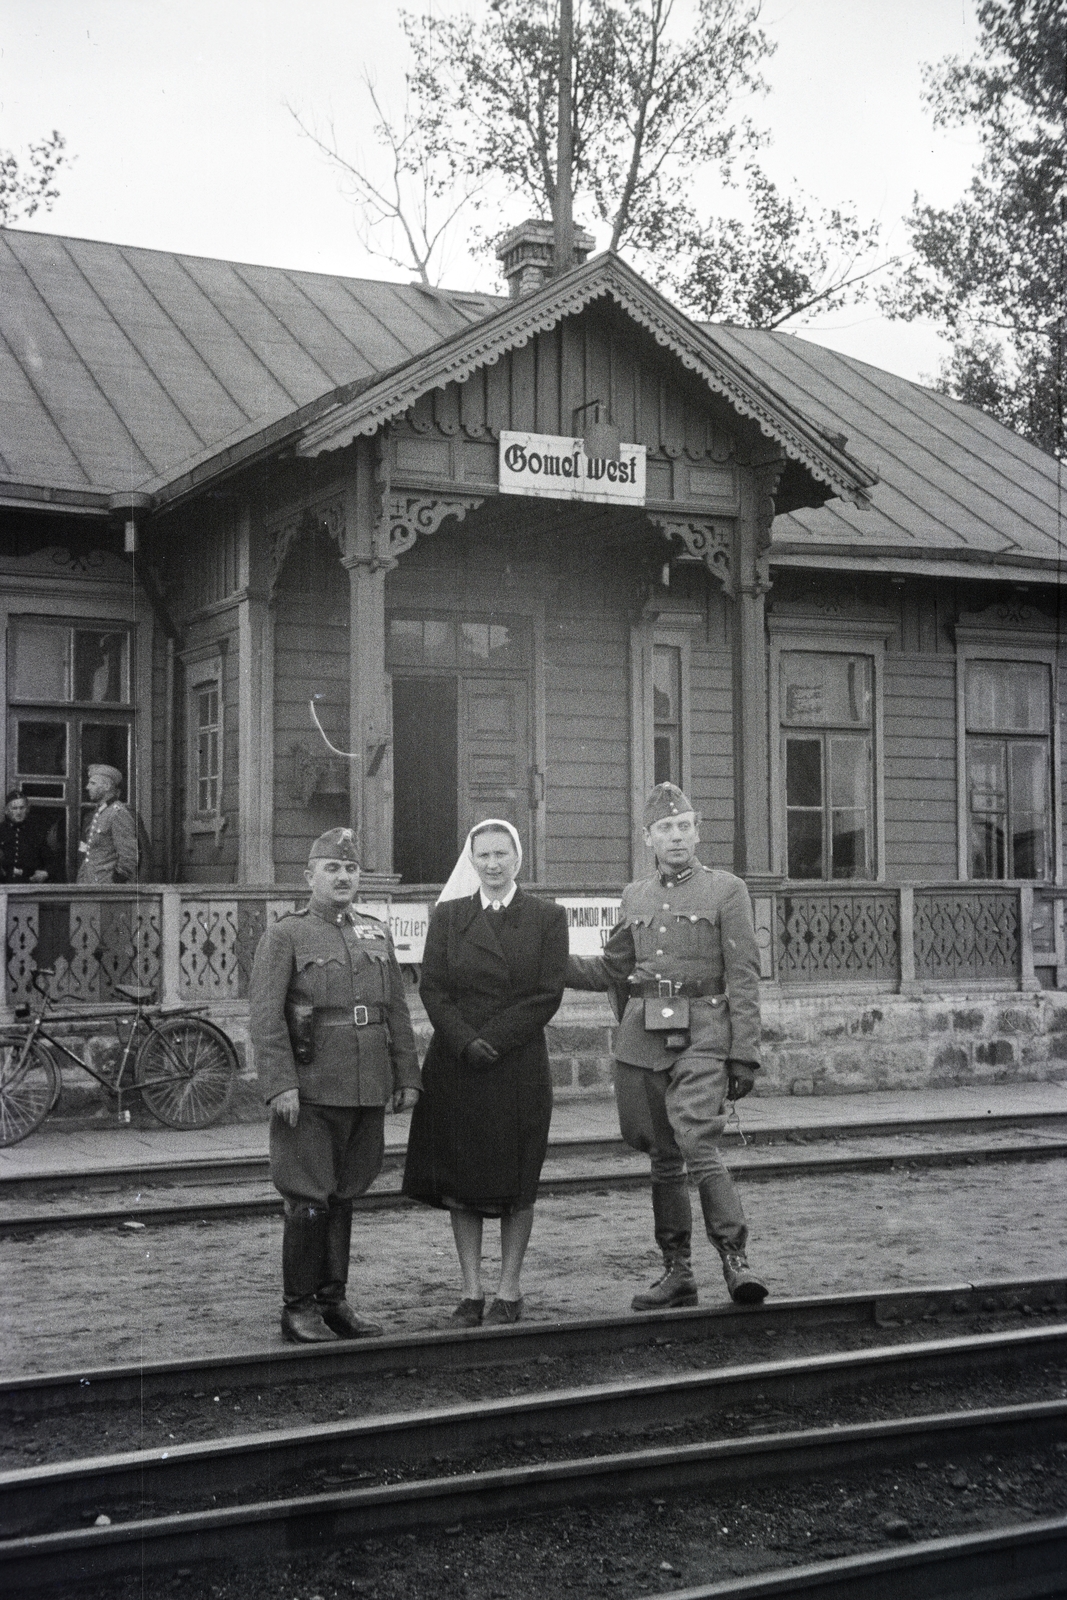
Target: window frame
x,y
978,645
203,668
644,638
814,637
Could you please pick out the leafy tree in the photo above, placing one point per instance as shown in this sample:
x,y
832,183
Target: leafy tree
x,y
992,269
26,186
654,101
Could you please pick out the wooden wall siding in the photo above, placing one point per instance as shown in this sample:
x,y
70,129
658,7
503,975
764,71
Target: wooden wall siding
x,y
203,558
154,817
311,655
712,749
920,767
450,433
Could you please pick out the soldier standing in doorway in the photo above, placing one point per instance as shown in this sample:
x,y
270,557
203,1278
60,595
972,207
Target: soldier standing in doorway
x,y
683,969
108,852
333,1046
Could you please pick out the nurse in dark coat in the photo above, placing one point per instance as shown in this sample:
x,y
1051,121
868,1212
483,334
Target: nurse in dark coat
x,y
492,977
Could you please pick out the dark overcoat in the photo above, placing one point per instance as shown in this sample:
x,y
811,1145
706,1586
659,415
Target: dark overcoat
x,y
479,1133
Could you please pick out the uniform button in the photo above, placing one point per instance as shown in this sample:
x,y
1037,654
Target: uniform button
x,y
663,930
666,905
659,952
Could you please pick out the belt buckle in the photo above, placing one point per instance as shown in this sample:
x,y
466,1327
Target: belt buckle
x,y
665,989
360,1016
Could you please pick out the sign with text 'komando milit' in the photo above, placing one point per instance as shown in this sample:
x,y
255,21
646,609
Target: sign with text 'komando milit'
x,y
557,468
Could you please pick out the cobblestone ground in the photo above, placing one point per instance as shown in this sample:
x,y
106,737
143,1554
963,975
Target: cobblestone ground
x,y
93,1299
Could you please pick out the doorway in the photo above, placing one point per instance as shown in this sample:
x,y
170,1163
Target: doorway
x,y
461,735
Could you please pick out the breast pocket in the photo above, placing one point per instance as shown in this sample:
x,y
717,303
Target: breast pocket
x,y
324,980
695,938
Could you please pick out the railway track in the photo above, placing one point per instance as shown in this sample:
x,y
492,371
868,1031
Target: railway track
x,y
235,1498
614,1172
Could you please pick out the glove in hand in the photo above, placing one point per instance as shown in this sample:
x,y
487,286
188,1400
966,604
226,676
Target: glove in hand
x,y
742,1079
479,1053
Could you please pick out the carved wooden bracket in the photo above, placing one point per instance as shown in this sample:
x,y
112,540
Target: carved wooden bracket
x,y
412,514
327,517
707,538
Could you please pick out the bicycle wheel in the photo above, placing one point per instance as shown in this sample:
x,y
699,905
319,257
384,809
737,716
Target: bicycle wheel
x,y
186,1071
29,1088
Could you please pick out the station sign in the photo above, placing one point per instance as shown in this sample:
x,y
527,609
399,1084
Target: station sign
x,y
590,919
553,467
407,925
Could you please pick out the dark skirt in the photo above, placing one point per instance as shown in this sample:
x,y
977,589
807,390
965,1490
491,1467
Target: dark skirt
x,y
479,1135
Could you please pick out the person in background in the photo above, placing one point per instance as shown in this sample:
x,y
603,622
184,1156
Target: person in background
x,y
492,977
108,852
333,1047
683,968
23,856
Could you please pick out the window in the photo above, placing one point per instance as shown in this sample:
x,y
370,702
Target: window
x,y
204,713
1007,708
62,664
667,714
208,747
827,757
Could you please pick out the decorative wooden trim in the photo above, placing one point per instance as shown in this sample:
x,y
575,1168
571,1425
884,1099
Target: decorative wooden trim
x,y
325,516
516,324
410,515
709,539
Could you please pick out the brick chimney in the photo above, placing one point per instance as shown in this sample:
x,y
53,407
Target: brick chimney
x,y
527,254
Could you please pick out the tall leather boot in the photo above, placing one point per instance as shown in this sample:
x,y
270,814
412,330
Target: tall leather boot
x,y
673,1218
334,1309
728,1232
303,1264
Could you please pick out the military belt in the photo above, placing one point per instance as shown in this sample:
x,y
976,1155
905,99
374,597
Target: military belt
x,y
681,988
369,1016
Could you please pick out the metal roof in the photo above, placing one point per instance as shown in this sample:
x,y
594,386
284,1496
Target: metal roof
x,y
120,366
953,483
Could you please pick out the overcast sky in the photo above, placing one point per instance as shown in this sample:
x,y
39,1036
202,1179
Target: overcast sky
x,y
176,111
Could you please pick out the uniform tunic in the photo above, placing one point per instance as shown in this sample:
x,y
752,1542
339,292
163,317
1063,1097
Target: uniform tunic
x,y
695,928
22,851
479,1133
108,853
334,962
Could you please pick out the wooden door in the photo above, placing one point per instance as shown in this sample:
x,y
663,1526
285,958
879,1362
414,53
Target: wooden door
x,y
495,754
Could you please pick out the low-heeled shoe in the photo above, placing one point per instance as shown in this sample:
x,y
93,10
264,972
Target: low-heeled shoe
x,y
305,1325
503,1311
468,1314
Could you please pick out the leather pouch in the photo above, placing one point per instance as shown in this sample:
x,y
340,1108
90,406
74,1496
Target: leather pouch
x,y
300,1020
667,1016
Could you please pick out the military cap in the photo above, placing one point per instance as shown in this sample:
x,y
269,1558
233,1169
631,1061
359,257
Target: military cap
x,y
666,800
336,844
100,769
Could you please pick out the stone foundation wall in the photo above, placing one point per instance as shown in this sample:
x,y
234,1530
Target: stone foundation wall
x,y
852,1044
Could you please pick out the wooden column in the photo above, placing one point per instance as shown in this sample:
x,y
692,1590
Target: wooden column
x,y
255,732
369,712
752,838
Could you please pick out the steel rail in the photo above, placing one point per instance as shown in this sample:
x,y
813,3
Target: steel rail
x,y
239,1209
38,1394
265,1529
256,1167
1024,1562
34,1498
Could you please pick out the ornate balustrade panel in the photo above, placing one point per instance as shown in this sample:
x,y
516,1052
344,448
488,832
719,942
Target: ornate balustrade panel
x,y
835,936
91,943
967,934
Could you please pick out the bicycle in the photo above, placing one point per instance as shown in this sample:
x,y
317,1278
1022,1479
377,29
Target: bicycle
x,y
183,1067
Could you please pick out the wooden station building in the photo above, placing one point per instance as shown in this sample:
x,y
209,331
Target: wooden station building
x,y
526,557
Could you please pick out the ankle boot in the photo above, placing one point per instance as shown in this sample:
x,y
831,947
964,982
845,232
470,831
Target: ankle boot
x,y
303,1264
333,1308
724,1220
673,1218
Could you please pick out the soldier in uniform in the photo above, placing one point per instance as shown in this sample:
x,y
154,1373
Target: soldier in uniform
x,y
333,1045
683,970
108,853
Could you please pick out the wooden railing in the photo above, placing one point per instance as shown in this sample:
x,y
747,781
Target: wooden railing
x,y
195,943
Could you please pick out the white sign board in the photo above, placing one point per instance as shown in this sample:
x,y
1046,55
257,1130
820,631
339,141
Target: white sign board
x,y
590,920
556,468
407,924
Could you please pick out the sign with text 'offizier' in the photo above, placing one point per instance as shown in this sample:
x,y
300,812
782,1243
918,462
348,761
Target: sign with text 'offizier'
x,y
557,468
